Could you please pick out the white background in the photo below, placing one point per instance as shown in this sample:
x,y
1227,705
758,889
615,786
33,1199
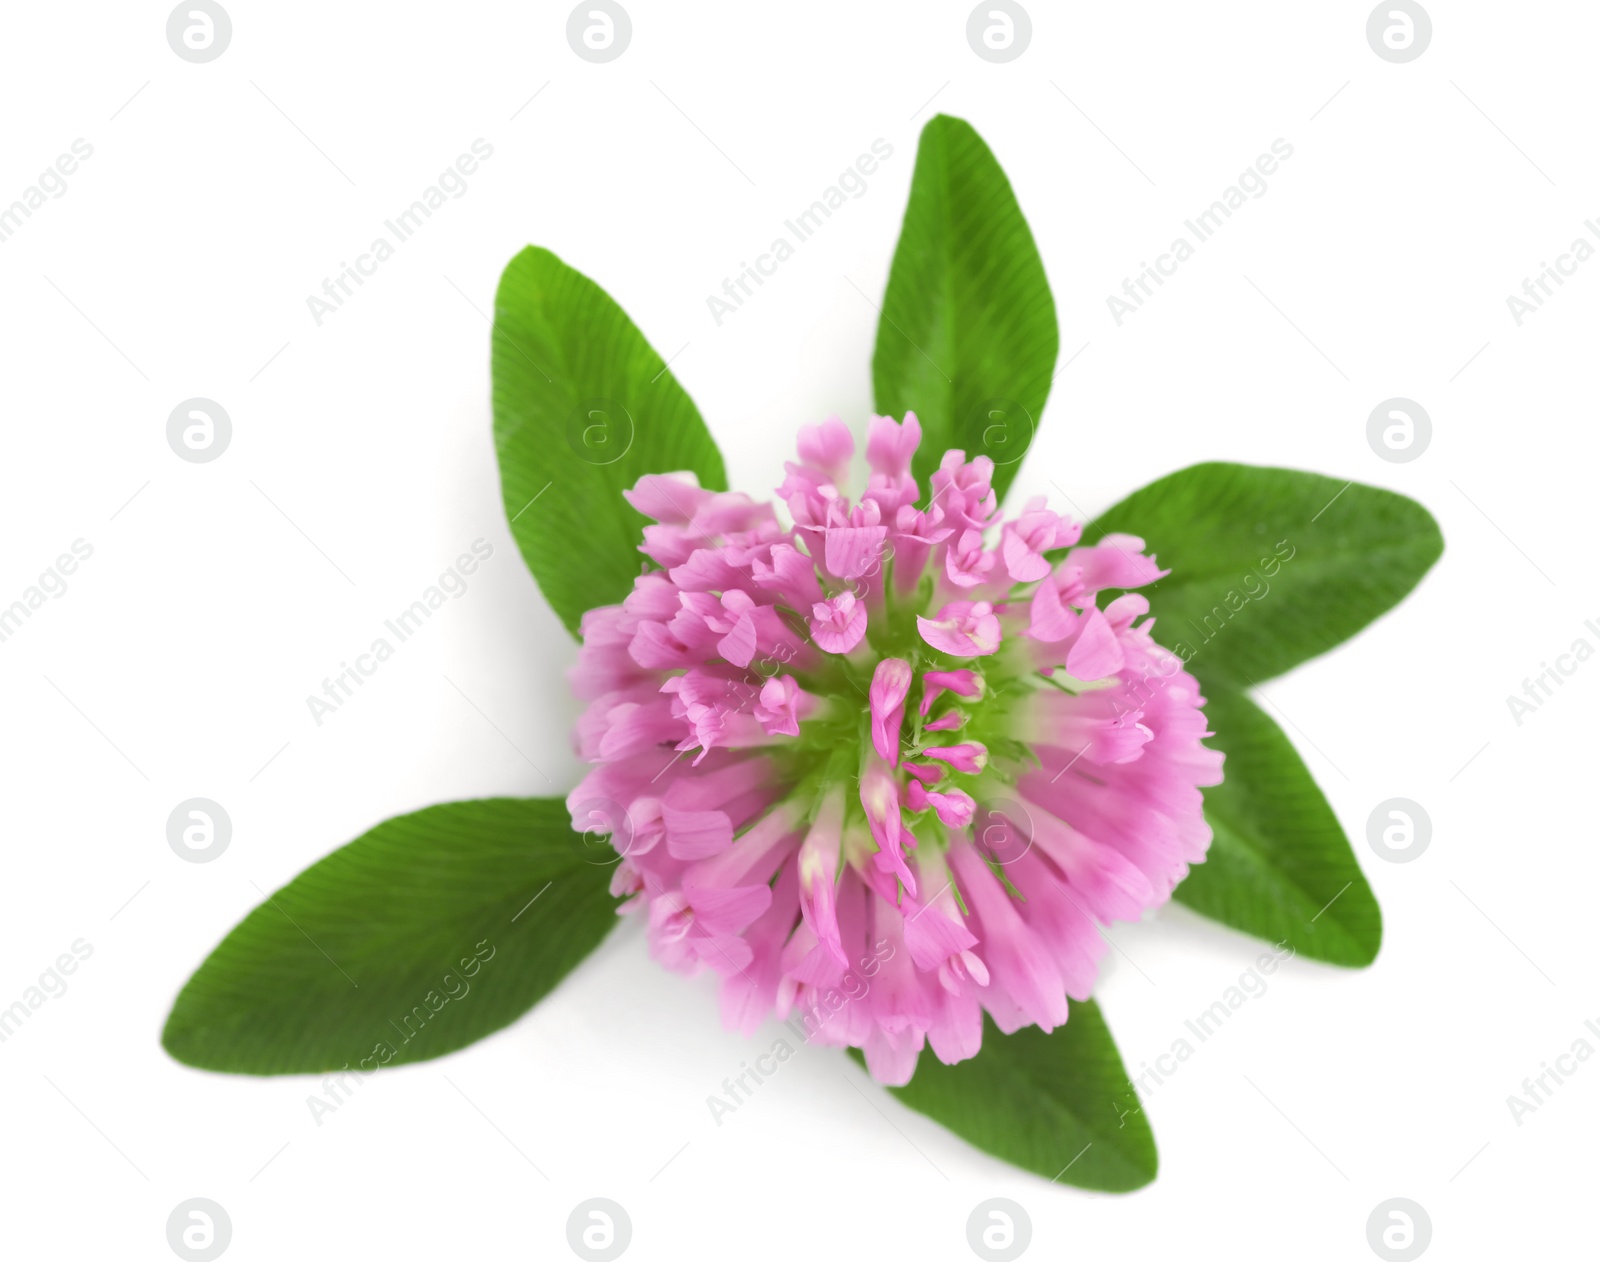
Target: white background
x,y
177,664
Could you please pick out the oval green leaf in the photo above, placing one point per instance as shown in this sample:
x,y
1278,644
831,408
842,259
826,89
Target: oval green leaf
x,y
1279,866
1058,1104
417,938
583,407
1270,567
967,338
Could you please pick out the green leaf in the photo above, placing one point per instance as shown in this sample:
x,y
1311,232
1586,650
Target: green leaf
x,y
967,338
583,406
1270,567
419,937
1058,1104
1279,865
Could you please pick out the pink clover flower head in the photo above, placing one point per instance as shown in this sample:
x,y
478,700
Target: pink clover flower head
x,y
891,766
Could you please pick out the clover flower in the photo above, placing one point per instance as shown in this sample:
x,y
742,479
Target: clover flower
x,y
890,766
